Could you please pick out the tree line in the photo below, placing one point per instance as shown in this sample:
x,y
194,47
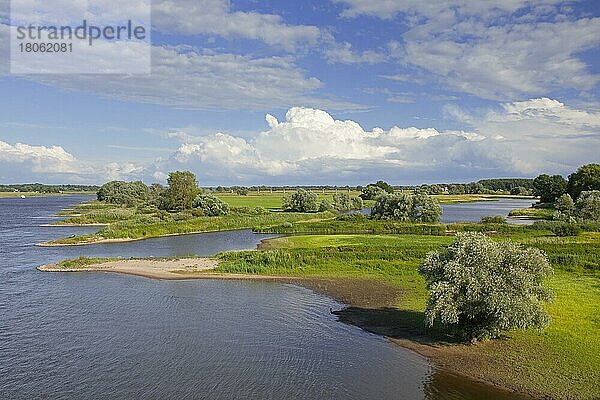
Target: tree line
x,y
42,188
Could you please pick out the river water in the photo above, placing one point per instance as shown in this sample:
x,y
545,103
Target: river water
x,y
110,336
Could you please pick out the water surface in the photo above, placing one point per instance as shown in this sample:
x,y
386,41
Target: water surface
x,y
111,336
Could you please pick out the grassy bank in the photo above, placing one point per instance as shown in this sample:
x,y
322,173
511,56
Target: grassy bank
x,y
562,361
148,226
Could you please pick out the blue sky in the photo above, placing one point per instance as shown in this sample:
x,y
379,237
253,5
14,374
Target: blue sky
x,y
321,92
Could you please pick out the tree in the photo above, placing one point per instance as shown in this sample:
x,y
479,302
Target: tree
x,y
586,178
182,190
565,208
325,205
479,288
549,188
371,192
210,205
123,193
301,201
385,186
587,207
357,203
341,201
407,207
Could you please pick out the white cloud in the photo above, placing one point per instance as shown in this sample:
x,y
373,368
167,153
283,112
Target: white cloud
x,y
544,135
344,54
183,77
500,50
311,146
21,162
216,17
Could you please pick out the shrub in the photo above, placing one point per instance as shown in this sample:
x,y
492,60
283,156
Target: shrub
x,y
587,207
407,207
210,205
123,193
479,288
565,209
357,203
301,201
371,192
565,229
341,201
325,206
496,219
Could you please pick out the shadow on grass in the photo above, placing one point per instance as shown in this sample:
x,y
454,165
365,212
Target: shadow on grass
x,y
395,324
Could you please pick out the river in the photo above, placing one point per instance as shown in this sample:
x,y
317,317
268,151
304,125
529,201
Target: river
x,y
110,336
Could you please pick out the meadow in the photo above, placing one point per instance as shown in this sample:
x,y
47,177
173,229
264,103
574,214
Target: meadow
x,y
561,361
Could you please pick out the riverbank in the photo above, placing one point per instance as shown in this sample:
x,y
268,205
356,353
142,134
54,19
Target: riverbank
x,y
376,275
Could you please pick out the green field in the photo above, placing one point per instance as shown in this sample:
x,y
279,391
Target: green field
x,y
562,361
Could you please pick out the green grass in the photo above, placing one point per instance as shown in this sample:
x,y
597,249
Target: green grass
x,y
83,262
532,213
149,226
99,216
562,361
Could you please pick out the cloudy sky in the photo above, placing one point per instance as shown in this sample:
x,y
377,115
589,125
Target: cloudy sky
x,y
319,92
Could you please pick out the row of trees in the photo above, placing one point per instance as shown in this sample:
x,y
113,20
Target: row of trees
x,y
182,193
549,188
41,188
305,201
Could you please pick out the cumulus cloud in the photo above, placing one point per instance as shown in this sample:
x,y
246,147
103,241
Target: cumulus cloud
x,y
543,134
310,146
21,162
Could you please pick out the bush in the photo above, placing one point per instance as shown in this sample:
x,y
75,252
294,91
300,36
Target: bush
x,y
407,207
341,201
210,205
123,193
587,207
301,201
496,219
565,209
565,229
325,206
479,288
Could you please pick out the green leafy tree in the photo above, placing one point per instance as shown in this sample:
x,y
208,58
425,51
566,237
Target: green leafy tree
x,y
407,207
123,193
182,190
385,186
587,207
549,188
211,206
565,208
586,178
371,192
301,201
325,205
357,203
341,201
479,288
